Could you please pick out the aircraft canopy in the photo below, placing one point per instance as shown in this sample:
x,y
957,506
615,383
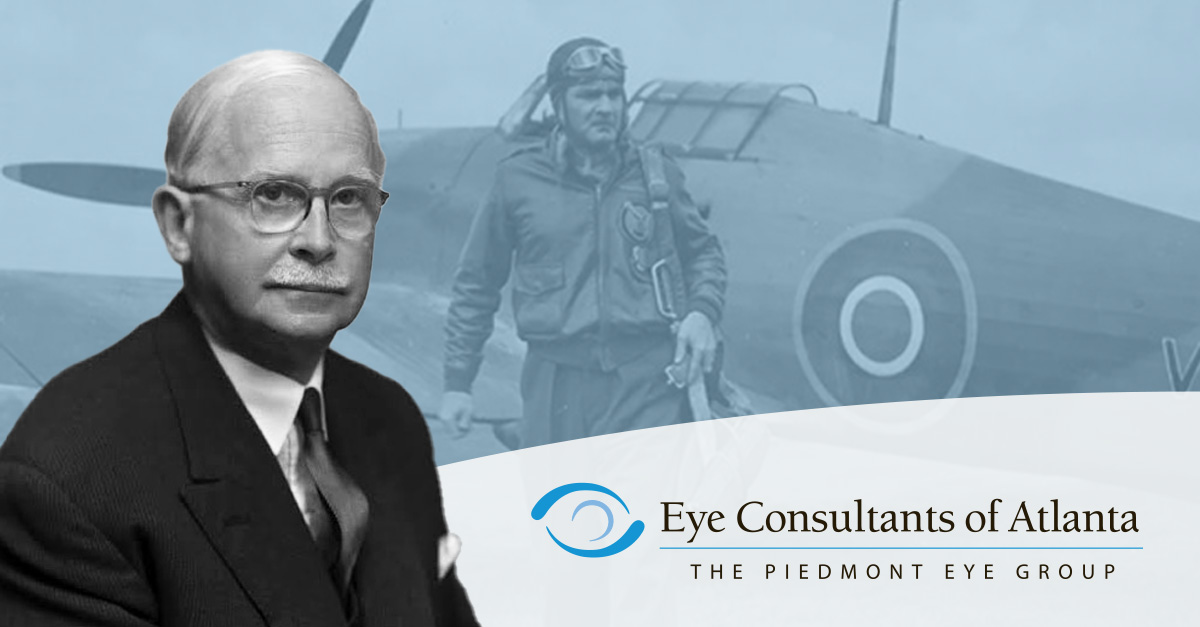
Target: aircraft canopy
x,y
705,119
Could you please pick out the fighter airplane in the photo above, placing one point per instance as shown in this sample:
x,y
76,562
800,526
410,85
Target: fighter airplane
x,y
866,265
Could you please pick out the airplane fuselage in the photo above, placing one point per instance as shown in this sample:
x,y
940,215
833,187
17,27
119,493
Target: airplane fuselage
x,y
868,265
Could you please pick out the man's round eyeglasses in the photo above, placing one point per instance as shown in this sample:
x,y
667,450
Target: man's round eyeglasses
x,y
280,206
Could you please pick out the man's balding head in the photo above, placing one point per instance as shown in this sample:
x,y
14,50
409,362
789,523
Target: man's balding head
x,y
200,124
270,205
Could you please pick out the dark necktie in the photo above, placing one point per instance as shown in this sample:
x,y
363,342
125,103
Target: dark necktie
x,y
346,501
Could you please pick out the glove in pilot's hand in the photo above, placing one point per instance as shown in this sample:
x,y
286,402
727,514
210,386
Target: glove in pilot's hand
x,y
449,546
457,410
696,342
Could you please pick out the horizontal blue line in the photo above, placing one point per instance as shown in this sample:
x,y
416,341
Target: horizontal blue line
x,y
900,548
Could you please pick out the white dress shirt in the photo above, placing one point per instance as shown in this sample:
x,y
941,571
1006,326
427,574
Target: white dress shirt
x,y
272,400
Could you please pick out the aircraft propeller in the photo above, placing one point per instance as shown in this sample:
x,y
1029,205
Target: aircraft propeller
x,y
116,184
335,57
133,185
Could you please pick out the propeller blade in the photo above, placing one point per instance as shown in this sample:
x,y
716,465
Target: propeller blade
x,y
117,184
335,57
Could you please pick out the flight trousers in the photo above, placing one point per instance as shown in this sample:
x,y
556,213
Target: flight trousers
x,y
570,401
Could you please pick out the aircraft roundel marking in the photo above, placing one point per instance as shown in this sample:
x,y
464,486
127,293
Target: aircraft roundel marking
x,y
916,325
886,312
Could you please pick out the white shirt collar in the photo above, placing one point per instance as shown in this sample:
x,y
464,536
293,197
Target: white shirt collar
x,y
271,398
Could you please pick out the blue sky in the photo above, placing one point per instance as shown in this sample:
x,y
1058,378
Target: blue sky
x,y
1098,94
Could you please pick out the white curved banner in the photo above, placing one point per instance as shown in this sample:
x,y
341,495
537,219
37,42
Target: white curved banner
x,y
1067,509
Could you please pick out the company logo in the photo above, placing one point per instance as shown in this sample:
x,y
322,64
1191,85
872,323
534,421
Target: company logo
x,y
542,507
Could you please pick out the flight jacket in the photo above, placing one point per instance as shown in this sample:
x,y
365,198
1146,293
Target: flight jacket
x,y
580,255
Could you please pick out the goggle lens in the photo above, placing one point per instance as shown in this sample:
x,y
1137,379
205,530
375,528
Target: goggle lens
x,y
591,57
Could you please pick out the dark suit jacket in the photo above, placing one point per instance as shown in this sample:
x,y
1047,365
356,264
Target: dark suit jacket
x,y
137,490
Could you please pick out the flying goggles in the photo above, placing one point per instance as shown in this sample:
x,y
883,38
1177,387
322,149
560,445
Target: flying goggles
x,y
588,58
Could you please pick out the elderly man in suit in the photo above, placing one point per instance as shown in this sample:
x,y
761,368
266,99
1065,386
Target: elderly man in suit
x,y
220,465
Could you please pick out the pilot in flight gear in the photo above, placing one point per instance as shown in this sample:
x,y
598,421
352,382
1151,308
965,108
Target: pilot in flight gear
x,y
615,274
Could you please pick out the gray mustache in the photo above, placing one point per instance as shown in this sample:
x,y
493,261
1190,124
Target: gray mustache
x,y
322,277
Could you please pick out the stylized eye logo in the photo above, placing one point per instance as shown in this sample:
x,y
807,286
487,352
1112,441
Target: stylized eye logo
x,y
550,498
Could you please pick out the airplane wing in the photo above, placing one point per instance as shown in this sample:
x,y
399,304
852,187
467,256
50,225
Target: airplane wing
x,y
49,321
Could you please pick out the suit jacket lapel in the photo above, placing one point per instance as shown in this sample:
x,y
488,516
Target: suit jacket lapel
x,y
239,495
391,577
